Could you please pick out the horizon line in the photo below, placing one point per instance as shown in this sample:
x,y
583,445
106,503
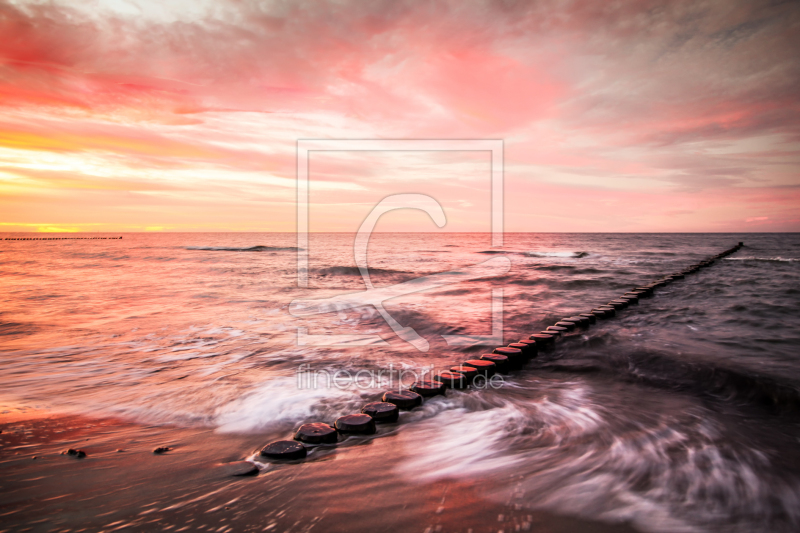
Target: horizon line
x,y
396,232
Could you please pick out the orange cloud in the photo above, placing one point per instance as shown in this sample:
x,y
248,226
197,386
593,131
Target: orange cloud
x,y
60,142
616,115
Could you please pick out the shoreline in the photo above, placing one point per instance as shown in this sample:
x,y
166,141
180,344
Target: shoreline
x,y
355,489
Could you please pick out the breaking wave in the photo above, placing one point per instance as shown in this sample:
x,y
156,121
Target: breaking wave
x,y
769,259
354,271
566,255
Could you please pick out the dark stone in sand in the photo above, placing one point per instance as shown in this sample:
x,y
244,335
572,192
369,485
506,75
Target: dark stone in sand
x,y
359,424
238,468
484,368
162,449
428,387
382,411
404,399
316,433
78,454
454,380
469,372
286,450
500,361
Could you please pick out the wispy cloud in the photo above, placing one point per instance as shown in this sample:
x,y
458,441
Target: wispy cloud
x,y
679,116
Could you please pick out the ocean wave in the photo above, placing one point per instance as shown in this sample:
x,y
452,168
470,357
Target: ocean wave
x,y
259,248
662,370
468,443
707,379
354,271
567,453
666,477
566,255
475,442
16,328
282,401
571,269
768,259
563,255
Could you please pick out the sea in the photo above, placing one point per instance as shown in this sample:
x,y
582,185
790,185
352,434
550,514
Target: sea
x,y
678,414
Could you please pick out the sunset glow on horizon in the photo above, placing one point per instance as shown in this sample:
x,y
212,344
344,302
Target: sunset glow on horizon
x,y
184,116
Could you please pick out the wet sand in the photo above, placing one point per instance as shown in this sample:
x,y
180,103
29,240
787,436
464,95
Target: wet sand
x,y
123,486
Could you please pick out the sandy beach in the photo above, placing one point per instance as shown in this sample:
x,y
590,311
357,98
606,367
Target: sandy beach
x,y
122,485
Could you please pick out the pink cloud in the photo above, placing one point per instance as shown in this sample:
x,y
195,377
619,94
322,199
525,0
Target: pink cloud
x,y
616,116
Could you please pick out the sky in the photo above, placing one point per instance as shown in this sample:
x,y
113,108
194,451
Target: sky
x,y
129,115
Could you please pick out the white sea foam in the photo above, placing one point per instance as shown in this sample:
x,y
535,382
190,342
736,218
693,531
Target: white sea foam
x,y
279,400
462,443
663,478
467,443
570,255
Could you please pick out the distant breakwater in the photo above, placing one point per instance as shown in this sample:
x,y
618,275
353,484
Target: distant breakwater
x,y
60,238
